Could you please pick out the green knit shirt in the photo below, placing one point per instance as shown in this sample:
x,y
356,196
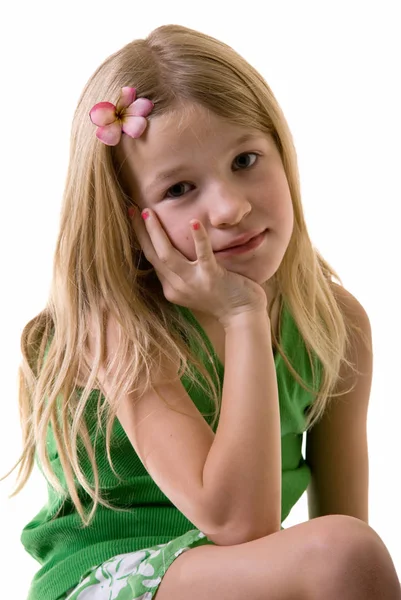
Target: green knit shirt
x,y
65,550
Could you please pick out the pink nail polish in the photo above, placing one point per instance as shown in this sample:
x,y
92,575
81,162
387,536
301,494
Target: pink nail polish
x,y
145,214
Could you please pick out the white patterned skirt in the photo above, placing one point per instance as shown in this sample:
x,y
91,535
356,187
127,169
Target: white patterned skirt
x,y
135,575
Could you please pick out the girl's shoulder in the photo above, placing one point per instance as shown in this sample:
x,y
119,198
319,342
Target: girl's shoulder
x,y
351,306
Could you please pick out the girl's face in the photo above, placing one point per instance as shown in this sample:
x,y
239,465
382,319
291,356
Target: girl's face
x,y
233,187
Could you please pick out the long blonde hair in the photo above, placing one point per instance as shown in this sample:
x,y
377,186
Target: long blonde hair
x,y
98,261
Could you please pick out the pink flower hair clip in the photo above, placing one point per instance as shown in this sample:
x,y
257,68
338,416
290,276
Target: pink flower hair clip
x,y
127,117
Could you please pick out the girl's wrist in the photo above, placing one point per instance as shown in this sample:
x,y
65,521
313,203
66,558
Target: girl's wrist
x,y
245,319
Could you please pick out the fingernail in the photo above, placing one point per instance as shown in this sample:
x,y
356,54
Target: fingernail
x,y
145,214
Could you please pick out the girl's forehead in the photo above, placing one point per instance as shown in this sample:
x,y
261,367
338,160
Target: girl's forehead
x,y
179,138
196,122
188,129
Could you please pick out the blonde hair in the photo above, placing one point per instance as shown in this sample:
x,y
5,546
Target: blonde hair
x,y
98,261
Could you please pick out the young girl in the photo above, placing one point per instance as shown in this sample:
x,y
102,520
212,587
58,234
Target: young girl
x,y
185,348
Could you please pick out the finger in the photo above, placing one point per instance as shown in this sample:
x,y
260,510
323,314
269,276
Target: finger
x,y
142,234
203,246
164,249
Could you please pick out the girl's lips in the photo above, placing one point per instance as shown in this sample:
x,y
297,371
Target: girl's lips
x,y
251,245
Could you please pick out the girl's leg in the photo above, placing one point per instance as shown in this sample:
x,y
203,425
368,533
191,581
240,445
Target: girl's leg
x,y
329,557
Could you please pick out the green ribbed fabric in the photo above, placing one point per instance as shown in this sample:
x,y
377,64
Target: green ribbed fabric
x,y
65,550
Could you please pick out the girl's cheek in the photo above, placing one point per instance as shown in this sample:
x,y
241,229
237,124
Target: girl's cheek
x,y
185,244
176,224
181,239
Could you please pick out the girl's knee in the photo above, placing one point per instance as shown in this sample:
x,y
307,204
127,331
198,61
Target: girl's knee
x,y
339,532
353,559
343,544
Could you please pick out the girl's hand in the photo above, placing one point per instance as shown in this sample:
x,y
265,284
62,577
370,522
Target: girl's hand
x,y
203,284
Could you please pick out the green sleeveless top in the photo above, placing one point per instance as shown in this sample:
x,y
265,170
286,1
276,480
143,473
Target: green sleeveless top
x,y
65,549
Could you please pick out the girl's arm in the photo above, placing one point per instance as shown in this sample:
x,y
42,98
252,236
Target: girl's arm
x,y
242,472
229,484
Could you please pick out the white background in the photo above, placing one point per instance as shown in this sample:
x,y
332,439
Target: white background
x,y
335,69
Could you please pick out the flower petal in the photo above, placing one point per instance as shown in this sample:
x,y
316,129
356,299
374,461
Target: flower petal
x,y
103,114
110,135
126,98
134,126
140,108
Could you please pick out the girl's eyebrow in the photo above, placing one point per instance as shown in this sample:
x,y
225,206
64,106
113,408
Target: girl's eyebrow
x,y
170,173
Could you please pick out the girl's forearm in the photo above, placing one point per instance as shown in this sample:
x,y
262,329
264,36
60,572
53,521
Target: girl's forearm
x,y
242,472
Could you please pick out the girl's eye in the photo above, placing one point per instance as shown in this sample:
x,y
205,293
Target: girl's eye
x,y
182,183
247,154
